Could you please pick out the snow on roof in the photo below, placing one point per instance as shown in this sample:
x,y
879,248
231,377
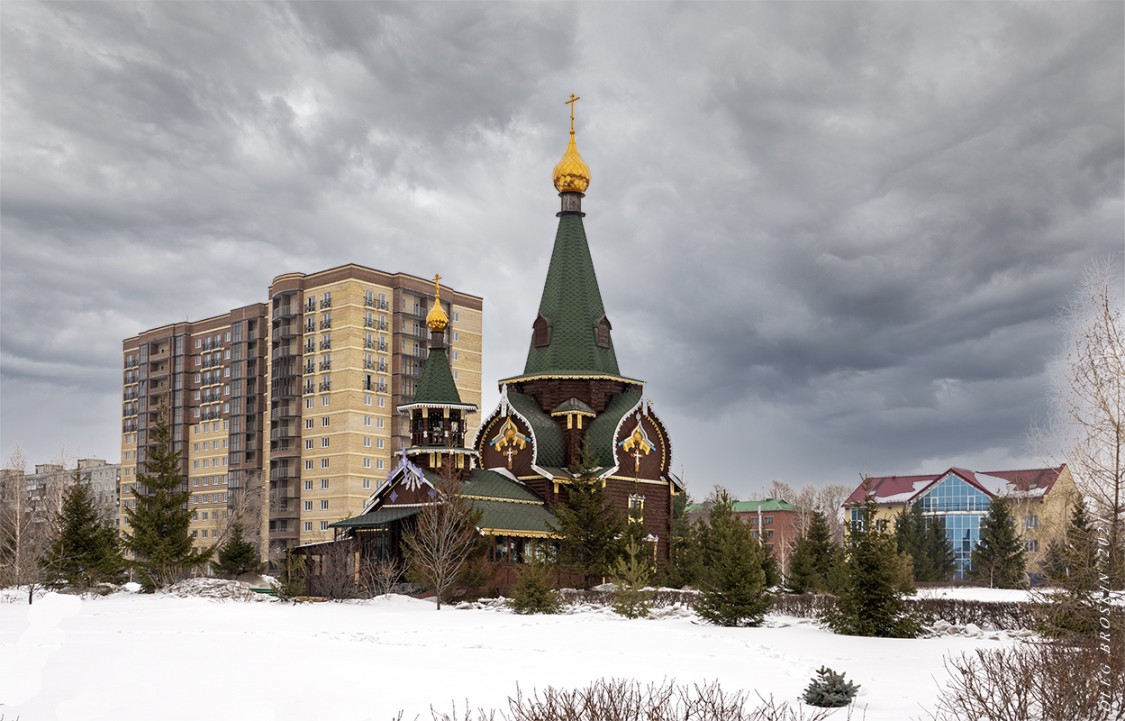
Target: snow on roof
x,y
1027,483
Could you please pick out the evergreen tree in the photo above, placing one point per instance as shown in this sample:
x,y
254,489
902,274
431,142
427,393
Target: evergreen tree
x,y
532,592
591,528
158,532
734,589
84,551
815,563
998,559
870,602
924,540
685,567
237,556
1071,567
631,574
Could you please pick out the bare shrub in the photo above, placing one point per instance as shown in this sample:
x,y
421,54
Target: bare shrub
x,y
380,576
1035,682
629,700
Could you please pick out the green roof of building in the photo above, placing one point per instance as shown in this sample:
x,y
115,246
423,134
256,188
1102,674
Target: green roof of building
x,y
490,484
436,385
381,517
603,428
514,518
770,504
549,447
573,405
572,306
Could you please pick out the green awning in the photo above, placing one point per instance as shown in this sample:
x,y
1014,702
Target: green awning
x,y
375,519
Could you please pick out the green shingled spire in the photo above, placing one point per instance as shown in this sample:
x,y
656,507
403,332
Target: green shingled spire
x,y
436,385
571,336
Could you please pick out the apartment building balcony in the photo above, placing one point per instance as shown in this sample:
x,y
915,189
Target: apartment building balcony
x,y
324,386
282,312
325,303
326,365
325,344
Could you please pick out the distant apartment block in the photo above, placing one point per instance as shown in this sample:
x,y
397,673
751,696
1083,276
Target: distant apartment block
x,y
284,410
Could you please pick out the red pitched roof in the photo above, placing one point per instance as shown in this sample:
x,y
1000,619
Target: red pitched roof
x,y
903,489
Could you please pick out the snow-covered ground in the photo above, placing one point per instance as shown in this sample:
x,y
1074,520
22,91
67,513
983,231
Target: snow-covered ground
x,y
129,657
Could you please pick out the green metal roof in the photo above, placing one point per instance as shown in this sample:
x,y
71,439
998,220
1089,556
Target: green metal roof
x,y
490,484
603,428
770,504
550,450
436,385
514,517
572,306
375,519
573,405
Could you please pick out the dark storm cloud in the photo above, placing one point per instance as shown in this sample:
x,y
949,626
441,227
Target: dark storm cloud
x,y
834,237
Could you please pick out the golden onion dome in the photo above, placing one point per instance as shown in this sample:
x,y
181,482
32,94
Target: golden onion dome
x,y
436,319
572,175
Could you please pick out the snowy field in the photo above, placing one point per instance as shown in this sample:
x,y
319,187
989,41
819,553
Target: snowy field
x,y
149,658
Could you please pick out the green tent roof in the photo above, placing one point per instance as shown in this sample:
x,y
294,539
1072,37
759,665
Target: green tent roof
x,y
514,517
436,385
603,428
572,306
375,519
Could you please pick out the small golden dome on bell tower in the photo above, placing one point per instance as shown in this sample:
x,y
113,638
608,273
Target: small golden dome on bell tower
x,y
572,175
436,319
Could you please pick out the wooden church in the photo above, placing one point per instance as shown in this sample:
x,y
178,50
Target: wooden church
x,y
570,394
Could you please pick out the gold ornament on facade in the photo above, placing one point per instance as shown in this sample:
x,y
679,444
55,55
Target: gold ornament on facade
x,y
436,319
572,175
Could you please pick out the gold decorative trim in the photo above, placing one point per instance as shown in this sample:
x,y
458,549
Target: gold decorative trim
x,y
518,534
502,500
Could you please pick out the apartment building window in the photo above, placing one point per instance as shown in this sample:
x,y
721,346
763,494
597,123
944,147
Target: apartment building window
x,y
308,403
324,525
1031,521
382,402
768,521
379,443
1031,546
308,505
380,464
324,400
308,423
366,483
367,400
380,423
308,444
367,420
456,335
308,525
366,462
367,441
326,300
308,485
324,484
324,505
456,355
326,421
456,316
308,464
324,463
324,442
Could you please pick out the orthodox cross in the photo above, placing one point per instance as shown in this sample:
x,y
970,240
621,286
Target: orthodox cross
x,y
437,284
509,453
570,102
637,460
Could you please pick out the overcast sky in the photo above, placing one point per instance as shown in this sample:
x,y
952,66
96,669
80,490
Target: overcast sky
x,y
833,238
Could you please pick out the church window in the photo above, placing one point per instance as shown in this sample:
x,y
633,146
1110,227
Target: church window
x,y
540,332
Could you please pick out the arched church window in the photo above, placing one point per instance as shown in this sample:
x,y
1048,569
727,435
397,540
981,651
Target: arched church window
x,y
540,332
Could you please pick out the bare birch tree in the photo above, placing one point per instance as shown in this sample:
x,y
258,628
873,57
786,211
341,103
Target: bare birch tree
x,y
438,549
1090,402
830,501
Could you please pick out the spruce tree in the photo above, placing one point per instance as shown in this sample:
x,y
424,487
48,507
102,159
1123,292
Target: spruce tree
x,y
84,551
631,574
685,567
923,539
816,560
998,559
1071,568
237,556
158,532
938,551
734,589
591,528
870,602
532,592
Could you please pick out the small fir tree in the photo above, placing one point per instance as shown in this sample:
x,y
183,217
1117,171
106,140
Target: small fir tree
x,y
685,567
939,552
816,560
158,524
84,551
533,592
870,601
734,589
923,539
829,689
591,528
1071,567
237,556
631,574
998,559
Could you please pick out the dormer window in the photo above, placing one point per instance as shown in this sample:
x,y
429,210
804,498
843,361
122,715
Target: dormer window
x,y
540,332
601,333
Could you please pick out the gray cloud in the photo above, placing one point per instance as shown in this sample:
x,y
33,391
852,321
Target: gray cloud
x,y
833,238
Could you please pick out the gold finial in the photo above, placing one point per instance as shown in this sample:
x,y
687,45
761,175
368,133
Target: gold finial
x,y
572,175
436,319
